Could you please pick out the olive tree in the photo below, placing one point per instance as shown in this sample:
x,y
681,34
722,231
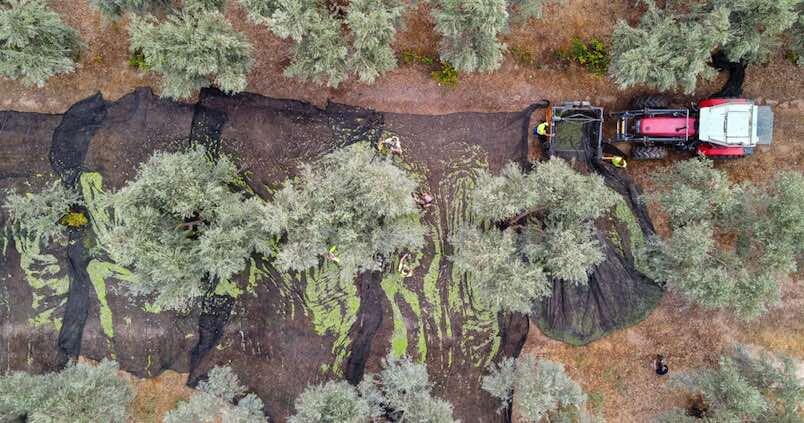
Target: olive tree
x,y
673,47
117,8
527,229
540,388
745,386
401,392
79,393
332,402
193,50
324,51
665,50
215,401
469,31
755,26
34,42
37,215
351,206
373,25
704,208
182,225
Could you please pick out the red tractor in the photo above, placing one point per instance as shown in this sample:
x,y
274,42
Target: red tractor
x,y
717,128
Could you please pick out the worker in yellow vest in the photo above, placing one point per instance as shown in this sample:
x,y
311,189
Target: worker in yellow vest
x,y
616,161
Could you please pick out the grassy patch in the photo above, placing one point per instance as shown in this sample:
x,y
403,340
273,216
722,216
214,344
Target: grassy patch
x,y
592,55
523,56
137,61
442,72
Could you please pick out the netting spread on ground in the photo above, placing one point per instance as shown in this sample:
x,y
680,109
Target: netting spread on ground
x,y
281,331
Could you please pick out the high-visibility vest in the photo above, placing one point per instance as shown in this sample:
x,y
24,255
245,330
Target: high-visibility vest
x,y
542,129
618,161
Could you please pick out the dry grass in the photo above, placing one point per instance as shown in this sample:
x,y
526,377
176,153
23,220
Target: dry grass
x,y
156,396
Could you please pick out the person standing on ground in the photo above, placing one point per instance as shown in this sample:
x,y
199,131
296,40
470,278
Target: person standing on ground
x,y
660,365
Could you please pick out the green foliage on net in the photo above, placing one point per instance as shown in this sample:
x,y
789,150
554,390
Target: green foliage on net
x,y
546,215
730,244
540,388
469,30
402,391
79,393
191,51
34,42
215,401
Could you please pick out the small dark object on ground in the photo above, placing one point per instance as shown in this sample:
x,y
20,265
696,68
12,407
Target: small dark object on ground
x,y
660,365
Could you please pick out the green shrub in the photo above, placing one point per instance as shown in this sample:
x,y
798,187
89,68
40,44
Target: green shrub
x,y
446,75
137,61
410,57
190,51
34,42
593,55
523,56
79,393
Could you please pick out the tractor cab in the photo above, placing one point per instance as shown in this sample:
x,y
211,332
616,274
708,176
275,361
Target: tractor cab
x,y
733,127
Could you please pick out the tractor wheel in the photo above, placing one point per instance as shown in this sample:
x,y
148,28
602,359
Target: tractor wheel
x,y
650,102
646,152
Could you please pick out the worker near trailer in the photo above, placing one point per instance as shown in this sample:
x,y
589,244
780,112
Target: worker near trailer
x,y
542,130
619,161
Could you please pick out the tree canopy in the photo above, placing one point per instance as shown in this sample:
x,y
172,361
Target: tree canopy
x,y
670,47
730,243
79,393
540,388
181,225
332,402
36,215
117,8
193,50
528,228
352,206
745,386
34,42
665,51
323,51
469,30
215,401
